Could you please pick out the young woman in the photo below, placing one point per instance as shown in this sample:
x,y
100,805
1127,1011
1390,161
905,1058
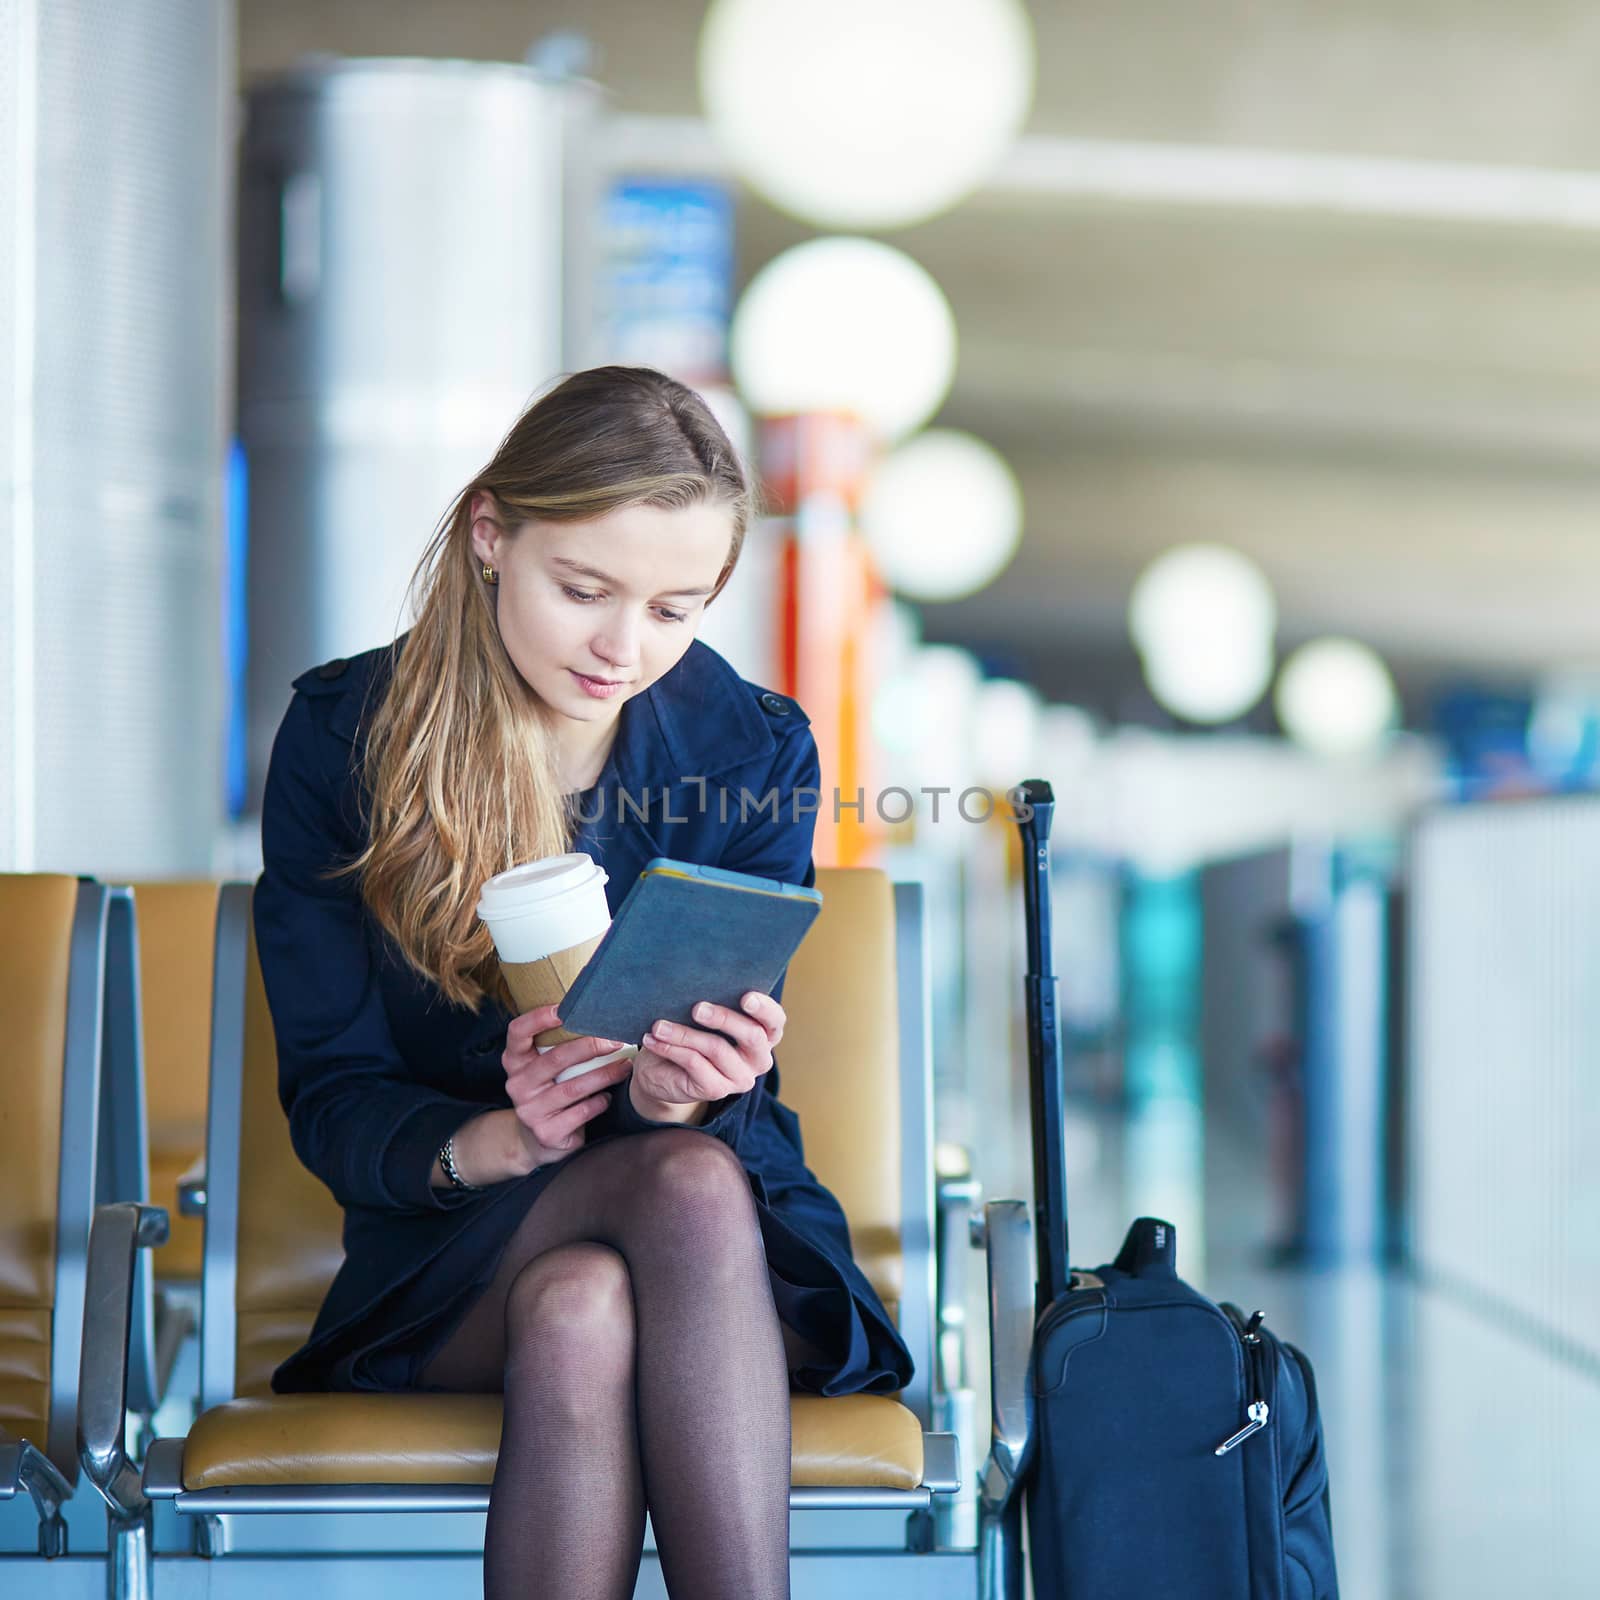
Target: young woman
x,y
637,1258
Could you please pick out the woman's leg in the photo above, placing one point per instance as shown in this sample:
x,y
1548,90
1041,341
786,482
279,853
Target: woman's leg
x,y
712,1387
566,1516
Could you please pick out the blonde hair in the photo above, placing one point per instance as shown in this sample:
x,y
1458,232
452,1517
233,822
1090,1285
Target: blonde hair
x,y
459,766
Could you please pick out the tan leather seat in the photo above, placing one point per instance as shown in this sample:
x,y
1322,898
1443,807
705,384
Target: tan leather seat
x,y
52,954
864,1440
840,1068
840,1063
177,922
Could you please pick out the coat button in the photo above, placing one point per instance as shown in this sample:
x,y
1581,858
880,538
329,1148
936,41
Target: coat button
x,y
775,703
333,669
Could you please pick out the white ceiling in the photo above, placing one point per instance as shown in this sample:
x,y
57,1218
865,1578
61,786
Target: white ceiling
x,y
1400,419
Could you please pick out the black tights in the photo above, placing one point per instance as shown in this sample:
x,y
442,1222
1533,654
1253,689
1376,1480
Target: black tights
x,y
631,1327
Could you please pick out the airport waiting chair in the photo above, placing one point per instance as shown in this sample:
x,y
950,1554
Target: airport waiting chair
x,y
856,1064
149,988
176,933
52,976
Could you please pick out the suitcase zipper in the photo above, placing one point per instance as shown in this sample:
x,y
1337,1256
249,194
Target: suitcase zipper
x,y
1257,1410
1258,1420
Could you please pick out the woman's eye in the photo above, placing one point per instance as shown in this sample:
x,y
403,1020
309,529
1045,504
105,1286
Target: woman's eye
x,y
583,597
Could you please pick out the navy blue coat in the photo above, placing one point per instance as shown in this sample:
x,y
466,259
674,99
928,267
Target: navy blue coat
x,y
376,1068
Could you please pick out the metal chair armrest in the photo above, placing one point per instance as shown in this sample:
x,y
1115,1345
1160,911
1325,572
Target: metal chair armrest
x,y
163,1469
192,1190
26,1469
941,1463
119,1231
1007,1233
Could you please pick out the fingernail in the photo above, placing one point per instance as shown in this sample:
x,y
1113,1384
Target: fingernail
x,y
703,1011
663,1030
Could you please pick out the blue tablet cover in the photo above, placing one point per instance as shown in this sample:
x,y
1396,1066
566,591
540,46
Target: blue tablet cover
x,y
687,933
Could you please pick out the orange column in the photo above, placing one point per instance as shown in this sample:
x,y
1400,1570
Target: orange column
x,y
814,469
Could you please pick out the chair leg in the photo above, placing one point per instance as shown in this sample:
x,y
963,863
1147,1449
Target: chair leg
x,y
52,1533
128,1575
210,1537
920,1533
1000,1551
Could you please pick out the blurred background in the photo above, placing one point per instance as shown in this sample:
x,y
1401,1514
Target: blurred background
x,y
1195,403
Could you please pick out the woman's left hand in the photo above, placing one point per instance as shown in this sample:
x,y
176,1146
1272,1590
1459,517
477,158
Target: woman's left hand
x,y
684,1066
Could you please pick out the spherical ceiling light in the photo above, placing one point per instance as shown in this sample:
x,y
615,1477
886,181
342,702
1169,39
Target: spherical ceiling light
x,y
845,325
1203,618
1067,737
1195,592
901,712
866,113
1335,697
729,410
942,515
1212,684
930,696
949,679
1007,731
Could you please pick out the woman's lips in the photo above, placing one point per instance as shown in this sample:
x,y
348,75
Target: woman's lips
x,y
597,688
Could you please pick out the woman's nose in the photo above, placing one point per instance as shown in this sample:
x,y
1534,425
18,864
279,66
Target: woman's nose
x,y
618,646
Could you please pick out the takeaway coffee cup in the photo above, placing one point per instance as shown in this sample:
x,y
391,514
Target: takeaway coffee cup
x,y
546,919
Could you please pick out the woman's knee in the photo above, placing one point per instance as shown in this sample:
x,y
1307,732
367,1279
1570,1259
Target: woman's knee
x,y
572,1307
693,1178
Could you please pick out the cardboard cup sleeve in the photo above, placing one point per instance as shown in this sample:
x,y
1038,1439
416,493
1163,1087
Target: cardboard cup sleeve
x,y
545,983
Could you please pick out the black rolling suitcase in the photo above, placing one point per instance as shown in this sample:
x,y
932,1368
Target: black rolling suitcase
x,y
1176,1449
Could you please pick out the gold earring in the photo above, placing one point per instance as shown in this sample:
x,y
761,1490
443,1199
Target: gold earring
x,y
489,574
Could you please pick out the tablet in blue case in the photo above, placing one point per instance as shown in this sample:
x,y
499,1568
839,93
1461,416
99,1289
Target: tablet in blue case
x,y
687,933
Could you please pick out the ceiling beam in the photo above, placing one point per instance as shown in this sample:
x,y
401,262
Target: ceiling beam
x,y
1042,168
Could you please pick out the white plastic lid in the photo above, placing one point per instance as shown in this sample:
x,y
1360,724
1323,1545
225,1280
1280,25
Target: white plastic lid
x,y
539,882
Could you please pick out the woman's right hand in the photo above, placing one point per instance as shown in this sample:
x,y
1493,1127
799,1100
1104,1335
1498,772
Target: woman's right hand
x,y
552,1115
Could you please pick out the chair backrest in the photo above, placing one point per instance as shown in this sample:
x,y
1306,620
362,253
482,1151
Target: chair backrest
x,y
841,1068
840,1062
273,1231
177,931
52,961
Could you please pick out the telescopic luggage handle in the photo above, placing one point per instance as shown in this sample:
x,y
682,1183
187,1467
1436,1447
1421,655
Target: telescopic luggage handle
x,y
1035,811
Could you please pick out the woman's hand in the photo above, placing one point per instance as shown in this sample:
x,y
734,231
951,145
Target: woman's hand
x,y
553,1114
681,1066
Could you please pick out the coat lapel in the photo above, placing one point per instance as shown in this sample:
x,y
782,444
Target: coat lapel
x,y
699,720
